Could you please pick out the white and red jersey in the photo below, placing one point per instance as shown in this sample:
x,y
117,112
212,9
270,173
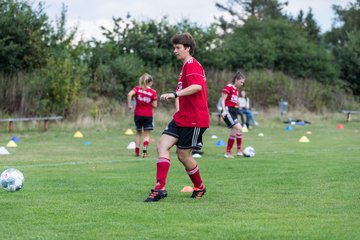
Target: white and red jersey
x,y
232,95
193,109
144,98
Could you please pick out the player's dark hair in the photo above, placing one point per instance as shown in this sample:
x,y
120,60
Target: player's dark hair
x,y
185,39
237,76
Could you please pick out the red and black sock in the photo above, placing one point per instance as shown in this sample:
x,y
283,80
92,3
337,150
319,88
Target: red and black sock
x,y
230,143
162,169
239,141
195,177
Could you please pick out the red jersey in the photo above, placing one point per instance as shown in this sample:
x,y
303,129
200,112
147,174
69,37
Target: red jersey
x,y
193,109
144,98
232,95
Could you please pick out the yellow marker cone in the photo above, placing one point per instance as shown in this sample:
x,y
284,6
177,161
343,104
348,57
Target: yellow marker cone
x,y
11,144
260,134
304,139
129,132
245,129
187,189
78,134
308,132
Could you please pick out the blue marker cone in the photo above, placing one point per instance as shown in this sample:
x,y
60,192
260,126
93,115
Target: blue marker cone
x,y
289,128
220,143
15,139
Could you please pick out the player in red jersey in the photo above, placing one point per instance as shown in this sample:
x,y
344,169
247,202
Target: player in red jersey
x,y
146,100
189,121
229,101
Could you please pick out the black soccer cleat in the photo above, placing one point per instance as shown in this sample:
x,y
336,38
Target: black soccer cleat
x,y
156,195
198,193
144,154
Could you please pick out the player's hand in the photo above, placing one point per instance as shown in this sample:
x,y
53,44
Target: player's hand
x,y
130,108
167,96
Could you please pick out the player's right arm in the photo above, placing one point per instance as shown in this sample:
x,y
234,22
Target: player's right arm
x,y
223,98
129,97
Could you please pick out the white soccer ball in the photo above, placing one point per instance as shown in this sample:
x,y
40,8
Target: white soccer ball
x,y
11,180
249,152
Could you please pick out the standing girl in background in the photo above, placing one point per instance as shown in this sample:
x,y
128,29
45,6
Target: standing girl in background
x,y
229,101
146,100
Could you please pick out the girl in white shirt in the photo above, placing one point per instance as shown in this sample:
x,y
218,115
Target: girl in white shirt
x,y
244,107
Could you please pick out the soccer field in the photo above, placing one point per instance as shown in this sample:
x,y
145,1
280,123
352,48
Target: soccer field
x,y
94,188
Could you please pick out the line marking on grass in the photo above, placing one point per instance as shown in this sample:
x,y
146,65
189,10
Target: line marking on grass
x,y
83,163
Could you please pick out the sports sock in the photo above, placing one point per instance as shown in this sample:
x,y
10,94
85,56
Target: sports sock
x,y
230,143
239,141
162,169
137,149
146,142
195,177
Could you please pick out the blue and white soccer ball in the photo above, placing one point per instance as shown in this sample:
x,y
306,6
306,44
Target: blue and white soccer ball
x,y
11,180
249,152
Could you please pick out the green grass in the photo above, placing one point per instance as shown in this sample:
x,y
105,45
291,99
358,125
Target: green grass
x,y
289,190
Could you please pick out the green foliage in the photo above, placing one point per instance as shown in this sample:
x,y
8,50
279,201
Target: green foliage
x,y
308,23
126,71
241,10
61,78
60,83
135,47
348,56
165,78
23,42
43,69
278,45
344,41
267,88
149,40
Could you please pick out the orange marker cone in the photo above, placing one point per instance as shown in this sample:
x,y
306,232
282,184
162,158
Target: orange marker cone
x,y
187,189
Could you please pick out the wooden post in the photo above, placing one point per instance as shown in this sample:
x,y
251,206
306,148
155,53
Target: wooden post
x,y
11,125
348,117
46,124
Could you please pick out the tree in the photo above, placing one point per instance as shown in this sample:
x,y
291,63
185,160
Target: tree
x,y
65,71
309,24
343,40
278,45
348,57
241,10
133,47
23,42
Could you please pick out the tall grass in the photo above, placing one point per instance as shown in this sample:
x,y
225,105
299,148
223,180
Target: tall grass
x,y
19,96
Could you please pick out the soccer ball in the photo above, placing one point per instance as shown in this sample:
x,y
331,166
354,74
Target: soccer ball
x,y
249,152
11,180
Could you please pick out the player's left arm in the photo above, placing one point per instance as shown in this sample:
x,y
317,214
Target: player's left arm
x,y
177,105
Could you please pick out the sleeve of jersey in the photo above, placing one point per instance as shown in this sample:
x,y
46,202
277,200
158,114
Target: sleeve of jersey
x,y
155,96
194,74
226,90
